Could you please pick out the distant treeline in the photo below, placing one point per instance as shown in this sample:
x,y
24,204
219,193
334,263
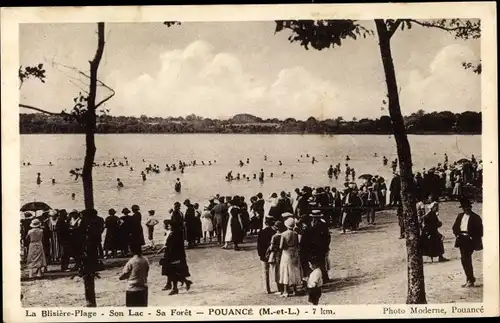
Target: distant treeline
x,y
417,123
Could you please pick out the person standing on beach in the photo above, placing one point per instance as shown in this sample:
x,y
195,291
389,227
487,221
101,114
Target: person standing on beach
x,y
173,264
314,282
190,224
273,255
36,257
468,230
55,245
136,272
217,212
124,232
395,188
111,239
263,243
432,240
137,236
290,270
320,238
150,224
38,179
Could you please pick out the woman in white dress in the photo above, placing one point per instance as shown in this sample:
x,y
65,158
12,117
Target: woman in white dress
x,y
290,269
36,256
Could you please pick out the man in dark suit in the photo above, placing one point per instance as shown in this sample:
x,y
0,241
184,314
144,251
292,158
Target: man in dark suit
x,y
263,242
468,230
320,241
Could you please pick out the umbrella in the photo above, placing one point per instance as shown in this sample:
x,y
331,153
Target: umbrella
x,y
463,161
365,176
35,206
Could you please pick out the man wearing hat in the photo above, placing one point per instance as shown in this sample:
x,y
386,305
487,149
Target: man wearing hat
x,y
320,241
468,230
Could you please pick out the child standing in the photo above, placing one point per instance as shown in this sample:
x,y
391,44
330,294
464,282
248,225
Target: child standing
x,y
314,282
150,224
136,272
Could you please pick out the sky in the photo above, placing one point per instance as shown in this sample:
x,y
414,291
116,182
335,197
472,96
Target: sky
x,y
219,69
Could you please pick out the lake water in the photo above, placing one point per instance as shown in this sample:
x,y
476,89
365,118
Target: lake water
x,y
157,192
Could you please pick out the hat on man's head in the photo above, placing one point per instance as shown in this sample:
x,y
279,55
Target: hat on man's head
x,y
125,210
187,202
287,215
316,213
135,207
152,212
465,203
112,211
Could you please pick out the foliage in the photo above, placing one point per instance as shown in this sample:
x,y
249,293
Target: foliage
x,y
416,123
37,72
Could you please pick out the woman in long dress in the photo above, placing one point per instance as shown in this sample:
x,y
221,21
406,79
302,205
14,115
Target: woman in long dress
x,y
274,256
432,240
290,269
234,229
36,256
173,264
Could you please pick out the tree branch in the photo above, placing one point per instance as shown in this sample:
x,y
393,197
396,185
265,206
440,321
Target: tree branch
x,y
394,27
468,29
106,99
61,114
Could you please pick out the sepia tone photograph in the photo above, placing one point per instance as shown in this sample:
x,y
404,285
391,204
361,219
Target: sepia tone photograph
x,y
276,162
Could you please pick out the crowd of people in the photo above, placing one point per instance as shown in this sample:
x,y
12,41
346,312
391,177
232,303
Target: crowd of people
x,y
293,236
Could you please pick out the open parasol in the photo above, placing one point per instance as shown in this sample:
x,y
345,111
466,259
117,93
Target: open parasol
x,y
463,161
35,206
365,176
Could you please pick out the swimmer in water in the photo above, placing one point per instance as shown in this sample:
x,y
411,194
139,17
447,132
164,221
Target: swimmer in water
x,y
119,183
178,185
53,181
143,176
291,176
50,163
131,169
281,164
38,179
272,174
73,195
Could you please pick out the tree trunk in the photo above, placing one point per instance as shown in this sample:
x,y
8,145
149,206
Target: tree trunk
x,y
88,190
416,284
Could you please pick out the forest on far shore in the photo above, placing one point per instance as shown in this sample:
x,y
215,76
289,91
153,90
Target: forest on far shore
x,y
446,122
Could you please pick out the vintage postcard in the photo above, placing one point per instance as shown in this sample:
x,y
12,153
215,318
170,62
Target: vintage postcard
x,y
249,162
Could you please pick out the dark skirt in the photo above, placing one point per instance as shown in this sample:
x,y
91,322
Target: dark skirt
x,y
432,244
175,271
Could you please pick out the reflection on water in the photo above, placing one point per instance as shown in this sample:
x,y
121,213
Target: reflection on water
x,y
200,182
